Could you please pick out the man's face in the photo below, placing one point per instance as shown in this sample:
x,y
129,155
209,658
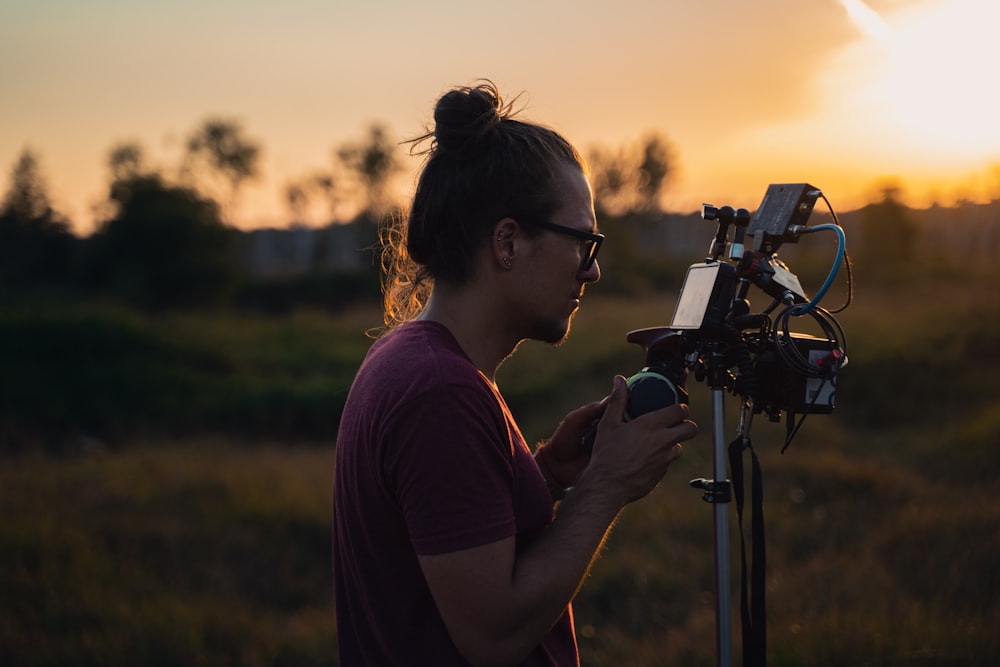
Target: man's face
x,y
557,277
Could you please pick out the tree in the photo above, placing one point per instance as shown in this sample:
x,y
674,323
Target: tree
x,y
654,169
609,180
297,199
28,197
166,247
300,194
126,161
374,162
36,245
126,164
219,150
630,179
889,236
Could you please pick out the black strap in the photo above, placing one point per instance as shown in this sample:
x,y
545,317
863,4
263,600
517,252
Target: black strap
x,y
752,606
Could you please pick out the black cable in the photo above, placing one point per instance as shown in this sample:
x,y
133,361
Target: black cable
x,y
785,346
847,260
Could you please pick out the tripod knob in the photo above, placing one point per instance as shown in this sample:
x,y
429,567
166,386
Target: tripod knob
x,y
715,491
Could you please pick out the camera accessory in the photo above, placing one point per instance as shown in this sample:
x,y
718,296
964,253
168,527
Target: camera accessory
x,y
706,296
652,388
785,207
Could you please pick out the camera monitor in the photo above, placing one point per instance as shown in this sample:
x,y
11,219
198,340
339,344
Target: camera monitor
x,y
706,296
784,205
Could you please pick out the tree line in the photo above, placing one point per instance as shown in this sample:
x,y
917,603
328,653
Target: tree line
x,y
164,236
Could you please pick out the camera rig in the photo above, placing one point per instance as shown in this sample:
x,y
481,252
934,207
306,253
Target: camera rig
x,y
756,356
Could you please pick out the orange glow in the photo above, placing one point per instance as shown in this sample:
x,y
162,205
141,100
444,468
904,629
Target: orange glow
x,y
830,92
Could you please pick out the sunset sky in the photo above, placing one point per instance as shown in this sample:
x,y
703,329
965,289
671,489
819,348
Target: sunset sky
x,y
838,93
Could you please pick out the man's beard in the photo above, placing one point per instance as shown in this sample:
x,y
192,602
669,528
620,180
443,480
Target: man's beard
x,y
552,331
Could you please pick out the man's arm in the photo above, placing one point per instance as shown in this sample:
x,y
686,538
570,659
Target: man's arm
x,y
498,607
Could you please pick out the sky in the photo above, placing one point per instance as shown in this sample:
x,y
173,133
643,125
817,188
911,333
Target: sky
x,y
846,95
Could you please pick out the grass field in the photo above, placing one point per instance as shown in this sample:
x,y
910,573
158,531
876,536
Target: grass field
x,y
200,549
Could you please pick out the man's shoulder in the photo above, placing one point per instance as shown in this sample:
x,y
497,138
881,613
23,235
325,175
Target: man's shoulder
x,y
421,343
421,354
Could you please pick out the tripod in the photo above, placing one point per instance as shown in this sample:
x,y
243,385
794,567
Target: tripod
x,y
661,345
720,491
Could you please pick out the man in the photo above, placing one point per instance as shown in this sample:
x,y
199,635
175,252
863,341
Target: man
x,y
448,549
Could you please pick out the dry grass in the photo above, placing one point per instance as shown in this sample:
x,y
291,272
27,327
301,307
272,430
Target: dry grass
x,y
196,553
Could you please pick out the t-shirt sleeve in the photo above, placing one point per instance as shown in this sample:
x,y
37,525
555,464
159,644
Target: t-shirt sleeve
x,y
451,469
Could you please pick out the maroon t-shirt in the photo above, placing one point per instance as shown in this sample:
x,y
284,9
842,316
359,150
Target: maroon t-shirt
x,y
429,460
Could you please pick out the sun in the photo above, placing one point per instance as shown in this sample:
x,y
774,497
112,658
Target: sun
x,y
931,80
869,22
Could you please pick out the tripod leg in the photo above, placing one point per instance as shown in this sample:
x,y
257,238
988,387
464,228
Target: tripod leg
x,y
723,621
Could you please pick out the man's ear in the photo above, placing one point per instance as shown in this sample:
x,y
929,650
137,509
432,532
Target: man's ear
x,y
504,242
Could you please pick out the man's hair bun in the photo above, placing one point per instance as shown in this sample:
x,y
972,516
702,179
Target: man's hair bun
x,y
467,120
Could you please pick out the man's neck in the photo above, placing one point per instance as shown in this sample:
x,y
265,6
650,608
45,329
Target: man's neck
x,y
475,324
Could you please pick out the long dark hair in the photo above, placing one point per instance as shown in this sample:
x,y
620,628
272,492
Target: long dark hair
x,y
481,165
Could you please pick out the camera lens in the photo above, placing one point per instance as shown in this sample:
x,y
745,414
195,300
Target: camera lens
x,y
650,391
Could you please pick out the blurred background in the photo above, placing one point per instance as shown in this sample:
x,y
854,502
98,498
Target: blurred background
x,y
189,278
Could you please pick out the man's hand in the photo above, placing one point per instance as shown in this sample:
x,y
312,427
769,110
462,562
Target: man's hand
x,y
634,455
562,457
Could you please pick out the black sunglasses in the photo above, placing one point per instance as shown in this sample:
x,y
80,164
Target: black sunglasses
x,y
593,241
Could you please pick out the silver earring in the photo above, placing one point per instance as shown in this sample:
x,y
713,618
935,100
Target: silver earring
x,y
506,262
500,236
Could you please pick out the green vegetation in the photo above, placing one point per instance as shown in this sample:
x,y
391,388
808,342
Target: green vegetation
x,y
108,373
189,525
